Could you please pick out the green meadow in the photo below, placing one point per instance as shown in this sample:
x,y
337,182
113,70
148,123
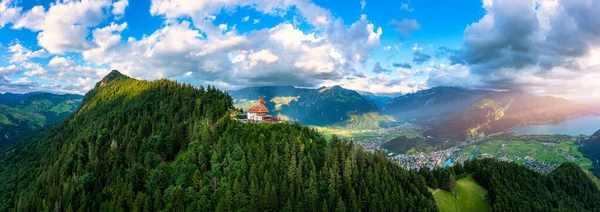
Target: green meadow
x,y
469,196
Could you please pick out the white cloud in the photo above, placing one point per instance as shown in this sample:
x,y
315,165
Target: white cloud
x,y
198,51
281,55
104,39
381,83
538,46
256,21
32,19
387,48
61,62
264,56
22,54
7,71
8,13
64,27
223,27
199,10
244,19
119,8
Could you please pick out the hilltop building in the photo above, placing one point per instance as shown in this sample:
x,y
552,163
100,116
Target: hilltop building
x,y
258,113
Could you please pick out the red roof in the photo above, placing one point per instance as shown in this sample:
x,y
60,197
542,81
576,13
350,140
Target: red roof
x,y
260,108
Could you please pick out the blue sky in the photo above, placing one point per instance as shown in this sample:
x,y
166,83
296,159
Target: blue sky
x,y
546,47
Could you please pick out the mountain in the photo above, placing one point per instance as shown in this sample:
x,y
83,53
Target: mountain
x,y
12,98
501,111
380,100
327,106
591,149
433,105
161,146
22,113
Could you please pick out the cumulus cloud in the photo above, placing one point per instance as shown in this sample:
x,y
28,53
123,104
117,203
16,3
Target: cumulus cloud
x,y
380,83
119,8
7,71
281,55
532,44
61,62
32,19
64,27
191,47
198,10
378,69
21,54
405,26
244,19
8,12
20,85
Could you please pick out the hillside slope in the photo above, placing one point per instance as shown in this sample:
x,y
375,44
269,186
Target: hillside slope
x,y
591,149
22,113
152,146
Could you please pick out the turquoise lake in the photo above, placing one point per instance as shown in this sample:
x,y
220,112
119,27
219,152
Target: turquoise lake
x,y
585,125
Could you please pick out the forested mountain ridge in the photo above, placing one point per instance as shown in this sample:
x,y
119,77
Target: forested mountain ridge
x,y
327,106
22,113
150,146
591,149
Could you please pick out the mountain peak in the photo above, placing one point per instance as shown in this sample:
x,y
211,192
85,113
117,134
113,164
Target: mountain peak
x,y
114,74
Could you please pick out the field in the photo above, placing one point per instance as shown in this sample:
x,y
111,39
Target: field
x,y
550,152
470,196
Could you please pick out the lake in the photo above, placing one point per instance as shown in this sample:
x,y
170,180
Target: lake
x,y
586,125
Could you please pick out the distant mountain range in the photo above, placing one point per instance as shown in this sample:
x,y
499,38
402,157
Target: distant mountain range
x,y
327,106
450,113
21,113
433,105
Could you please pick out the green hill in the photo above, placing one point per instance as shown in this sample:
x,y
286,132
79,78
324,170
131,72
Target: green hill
x,y
162,146
590,148
23,113
469,196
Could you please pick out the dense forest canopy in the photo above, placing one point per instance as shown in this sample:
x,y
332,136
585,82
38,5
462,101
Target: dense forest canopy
x,y
147,146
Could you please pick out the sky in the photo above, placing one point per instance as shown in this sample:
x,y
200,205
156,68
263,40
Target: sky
x,y
545,47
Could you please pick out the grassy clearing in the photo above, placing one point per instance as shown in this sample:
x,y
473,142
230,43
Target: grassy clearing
x,y
550,152
594,178
470,196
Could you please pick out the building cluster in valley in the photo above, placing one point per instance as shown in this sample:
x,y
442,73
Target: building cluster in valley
x,y
258,114
428,160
